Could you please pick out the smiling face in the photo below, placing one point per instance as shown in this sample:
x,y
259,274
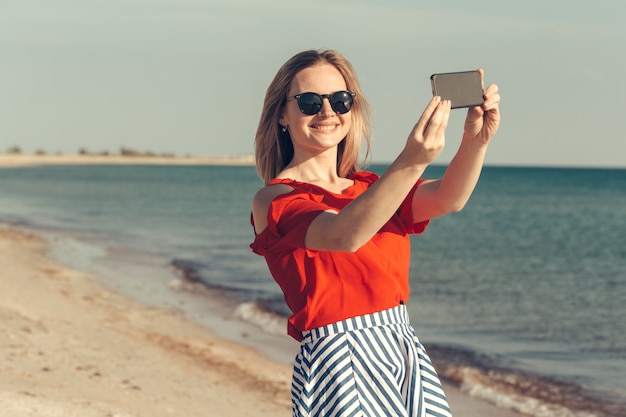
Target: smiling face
x,y
323,131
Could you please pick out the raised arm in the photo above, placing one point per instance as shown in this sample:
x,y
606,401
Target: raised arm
x,y
356,223
453,190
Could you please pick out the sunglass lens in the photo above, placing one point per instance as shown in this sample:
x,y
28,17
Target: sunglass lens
x,y
310,103
341,102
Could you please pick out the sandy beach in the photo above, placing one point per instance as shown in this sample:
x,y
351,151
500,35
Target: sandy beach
x,y
69,347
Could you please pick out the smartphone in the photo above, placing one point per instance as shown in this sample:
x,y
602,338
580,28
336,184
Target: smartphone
x,y
463,89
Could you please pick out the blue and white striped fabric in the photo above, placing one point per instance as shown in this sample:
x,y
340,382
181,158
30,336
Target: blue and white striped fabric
x,y
370,365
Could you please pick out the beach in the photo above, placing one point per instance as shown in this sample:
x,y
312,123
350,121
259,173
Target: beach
x,y
70,347
13,160
130,290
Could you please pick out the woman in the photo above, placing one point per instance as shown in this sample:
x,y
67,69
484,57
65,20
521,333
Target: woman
x,y
336,239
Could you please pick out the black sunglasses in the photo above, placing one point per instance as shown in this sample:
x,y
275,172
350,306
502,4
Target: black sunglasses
x,y
311,103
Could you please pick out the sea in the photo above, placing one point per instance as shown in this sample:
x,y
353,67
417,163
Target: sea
x,y
520,298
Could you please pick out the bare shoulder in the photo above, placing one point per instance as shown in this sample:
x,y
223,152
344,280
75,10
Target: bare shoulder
x,y
267,194
261,203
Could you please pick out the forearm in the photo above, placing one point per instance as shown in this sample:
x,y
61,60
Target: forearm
x,y
382,199
462,174
450,193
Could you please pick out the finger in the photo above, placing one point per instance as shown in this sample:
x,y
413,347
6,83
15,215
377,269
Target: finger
x,y
491,89
439,120
492,97
474,113
447,109
482,77
492,103
427,114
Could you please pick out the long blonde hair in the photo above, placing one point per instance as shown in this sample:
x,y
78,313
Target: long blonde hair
x,y
273,147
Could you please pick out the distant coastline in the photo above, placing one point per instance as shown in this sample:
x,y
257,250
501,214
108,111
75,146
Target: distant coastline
x,y
21,159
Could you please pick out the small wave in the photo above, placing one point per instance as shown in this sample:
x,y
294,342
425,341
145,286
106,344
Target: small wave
x,y
187,276
523,392
186,270
268,321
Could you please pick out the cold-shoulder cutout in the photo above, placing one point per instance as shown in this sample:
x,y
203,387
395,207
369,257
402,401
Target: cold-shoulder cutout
x,y
261,203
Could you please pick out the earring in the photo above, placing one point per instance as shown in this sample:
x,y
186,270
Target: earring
x,y
284,129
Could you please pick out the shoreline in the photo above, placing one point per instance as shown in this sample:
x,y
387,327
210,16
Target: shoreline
x,y
75,346
72,347
17,160
20,160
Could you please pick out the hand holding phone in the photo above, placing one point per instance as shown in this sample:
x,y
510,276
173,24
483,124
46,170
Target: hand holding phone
x,y
463,89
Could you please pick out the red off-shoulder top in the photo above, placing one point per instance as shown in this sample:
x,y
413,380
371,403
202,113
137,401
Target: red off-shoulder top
x,y
323,287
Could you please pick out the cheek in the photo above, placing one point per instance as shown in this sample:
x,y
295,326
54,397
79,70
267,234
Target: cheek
x,y
346,124
291,114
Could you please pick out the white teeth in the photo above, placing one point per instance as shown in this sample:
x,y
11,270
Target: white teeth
x,y
325,127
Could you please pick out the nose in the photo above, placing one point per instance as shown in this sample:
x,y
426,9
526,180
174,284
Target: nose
x,y
326,109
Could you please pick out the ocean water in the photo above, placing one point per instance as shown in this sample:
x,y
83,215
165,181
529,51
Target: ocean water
x,y
520,298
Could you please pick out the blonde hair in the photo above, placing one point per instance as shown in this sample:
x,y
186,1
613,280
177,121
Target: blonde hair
x,y
273,147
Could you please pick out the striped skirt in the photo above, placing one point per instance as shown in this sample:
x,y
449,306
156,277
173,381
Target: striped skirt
x,y
370,365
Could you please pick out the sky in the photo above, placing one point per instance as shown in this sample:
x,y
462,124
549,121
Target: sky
x,y
188,77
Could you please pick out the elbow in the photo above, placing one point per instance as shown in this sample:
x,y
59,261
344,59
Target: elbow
x,y
452,206
334,243
349,244
455,202
352,248
327,234
457,206
346,243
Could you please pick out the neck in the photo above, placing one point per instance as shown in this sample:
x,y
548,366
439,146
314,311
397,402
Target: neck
x,y
313,168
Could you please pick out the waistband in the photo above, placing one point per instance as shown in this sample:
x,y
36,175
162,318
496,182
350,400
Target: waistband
x,y
394,315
